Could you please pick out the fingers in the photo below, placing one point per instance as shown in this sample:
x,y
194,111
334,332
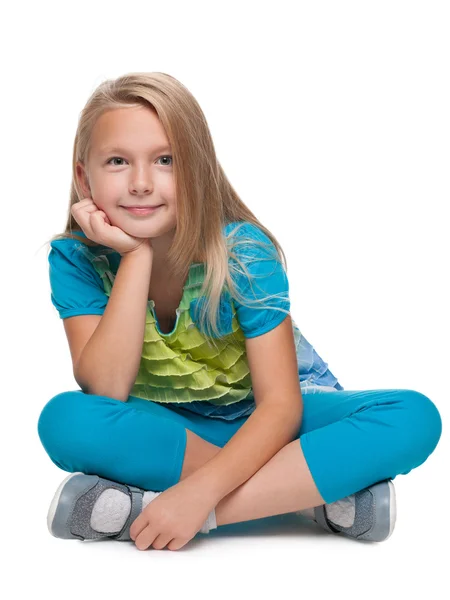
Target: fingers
x,y
149,537
138,525
161,541
90,218
105,216
97,226
82,207
85,203
145,538
177,544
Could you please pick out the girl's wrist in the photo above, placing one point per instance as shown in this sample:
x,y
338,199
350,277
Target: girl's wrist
x,y
145,249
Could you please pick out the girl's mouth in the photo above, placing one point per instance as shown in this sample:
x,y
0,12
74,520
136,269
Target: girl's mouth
x,y
142,211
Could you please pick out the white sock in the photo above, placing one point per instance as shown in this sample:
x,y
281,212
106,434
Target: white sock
x,y
112,508
341,512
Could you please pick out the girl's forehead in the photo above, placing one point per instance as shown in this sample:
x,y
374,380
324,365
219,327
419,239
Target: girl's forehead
x,y
136,128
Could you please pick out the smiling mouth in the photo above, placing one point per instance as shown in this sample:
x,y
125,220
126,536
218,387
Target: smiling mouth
x,y
141,211
143,207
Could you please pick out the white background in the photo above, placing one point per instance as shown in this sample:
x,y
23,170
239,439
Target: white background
x,y
331,120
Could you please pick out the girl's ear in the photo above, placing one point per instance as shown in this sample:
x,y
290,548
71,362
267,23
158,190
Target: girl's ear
x,y
83,179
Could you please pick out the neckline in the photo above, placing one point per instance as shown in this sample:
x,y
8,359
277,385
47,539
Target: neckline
x,y
151,303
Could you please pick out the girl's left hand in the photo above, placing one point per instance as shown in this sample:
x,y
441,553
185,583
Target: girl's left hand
x,y
174,517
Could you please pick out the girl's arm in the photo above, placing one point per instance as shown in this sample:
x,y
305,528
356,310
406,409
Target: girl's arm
x,y
275,422
109,363
267,430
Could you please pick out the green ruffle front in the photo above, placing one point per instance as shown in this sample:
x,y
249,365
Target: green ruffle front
x,y
180,366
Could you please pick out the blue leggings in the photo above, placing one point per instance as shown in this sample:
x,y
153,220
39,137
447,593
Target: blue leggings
x,y
350,439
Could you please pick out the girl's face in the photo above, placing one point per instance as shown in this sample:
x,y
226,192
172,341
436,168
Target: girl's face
x,y
130,164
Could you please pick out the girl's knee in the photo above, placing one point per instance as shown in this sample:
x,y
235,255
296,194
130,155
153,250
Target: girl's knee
x,y
58,420
53,411
424,420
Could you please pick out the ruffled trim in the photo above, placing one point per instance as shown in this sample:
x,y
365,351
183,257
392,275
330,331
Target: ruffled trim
x,y
180,366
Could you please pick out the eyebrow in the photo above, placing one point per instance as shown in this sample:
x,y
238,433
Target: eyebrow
x,y
111,149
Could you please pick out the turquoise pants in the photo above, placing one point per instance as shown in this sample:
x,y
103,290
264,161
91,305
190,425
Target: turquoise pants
x,y
350,439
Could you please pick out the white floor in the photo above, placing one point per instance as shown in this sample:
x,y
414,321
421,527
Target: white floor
x,y
282,556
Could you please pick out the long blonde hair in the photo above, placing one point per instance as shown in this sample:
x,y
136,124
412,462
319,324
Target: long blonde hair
x,y
206,200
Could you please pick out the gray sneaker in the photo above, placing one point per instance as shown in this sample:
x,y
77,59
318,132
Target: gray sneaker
x,y
375,514
70,511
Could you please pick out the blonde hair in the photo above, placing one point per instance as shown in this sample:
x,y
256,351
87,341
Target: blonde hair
x,y
206,200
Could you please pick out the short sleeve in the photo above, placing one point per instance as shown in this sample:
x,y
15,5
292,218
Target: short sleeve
x,y
268,281
76,287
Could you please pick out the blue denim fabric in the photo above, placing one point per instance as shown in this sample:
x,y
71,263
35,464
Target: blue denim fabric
x,y
244,408
312,369
229,412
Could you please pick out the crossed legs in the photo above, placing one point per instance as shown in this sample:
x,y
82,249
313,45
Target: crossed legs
x,y
284,484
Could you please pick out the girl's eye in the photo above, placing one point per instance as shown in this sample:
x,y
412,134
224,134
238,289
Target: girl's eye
x,y
166,156
114,158
118,158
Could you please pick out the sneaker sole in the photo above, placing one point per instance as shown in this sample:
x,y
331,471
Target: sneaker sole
x,y
385,500
392,508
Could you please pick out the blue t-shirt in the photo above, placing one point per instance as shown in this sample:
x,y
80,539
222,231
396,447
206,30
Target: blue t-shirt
x,y
78,289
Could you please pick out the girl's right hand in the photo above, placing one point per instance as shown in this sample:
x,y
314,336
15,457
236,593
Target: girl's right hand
x,y
97,227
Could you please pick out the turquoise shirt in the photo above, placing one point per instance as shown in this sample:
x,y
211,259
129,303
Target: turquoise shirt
x,y
178,367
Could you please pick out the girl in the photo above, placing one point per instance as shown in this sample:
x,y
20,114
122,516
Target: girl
x,y
200,401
